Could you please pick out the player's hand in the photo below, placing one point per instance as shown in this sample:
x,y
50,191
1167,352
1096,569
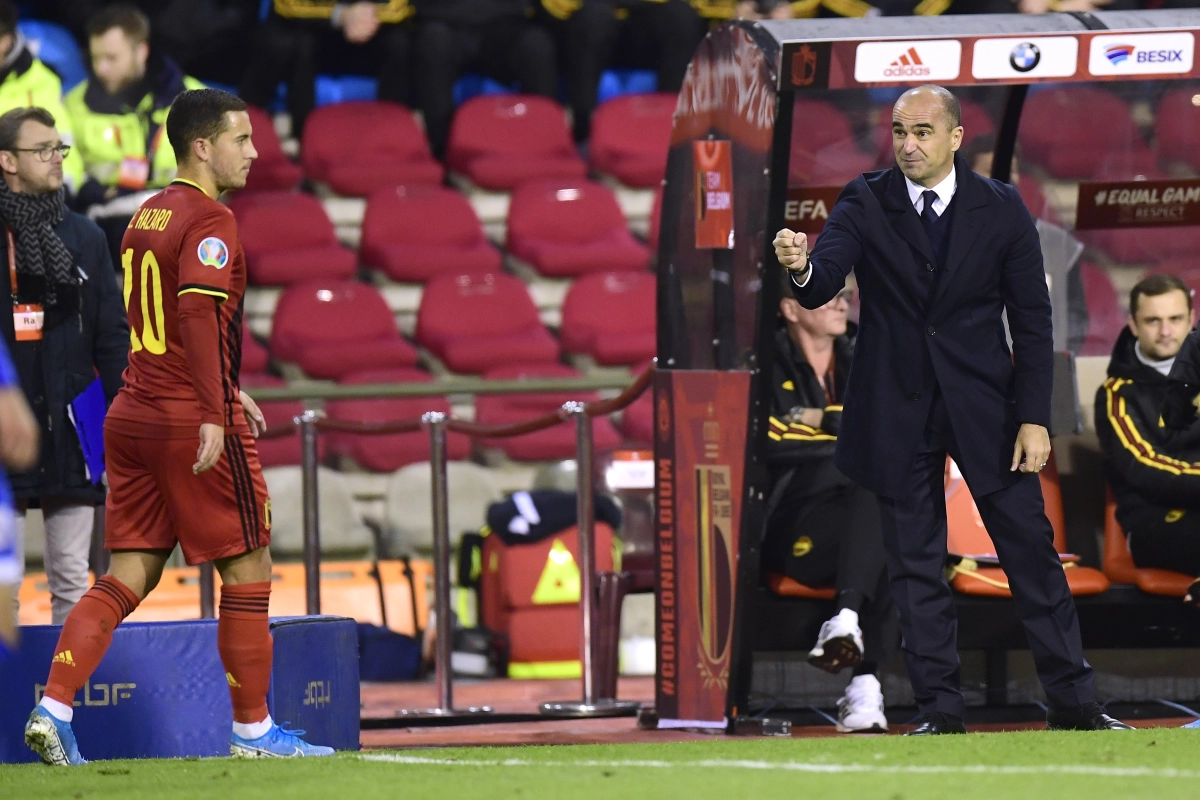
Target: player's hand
x,y
359,22
212,444
254,417
1032,450
791,249
18,431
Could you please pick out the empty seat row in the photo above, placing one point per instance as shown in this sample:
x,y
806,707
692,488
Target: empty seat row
x,y
470,321
496,142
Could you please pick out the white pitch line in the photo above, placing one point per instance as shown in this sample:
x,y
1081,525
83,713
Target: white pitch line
x,y
802,766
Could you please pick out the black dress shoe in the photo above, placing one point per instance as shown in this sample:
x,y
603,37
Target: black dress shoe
x,y
933,723
1087,717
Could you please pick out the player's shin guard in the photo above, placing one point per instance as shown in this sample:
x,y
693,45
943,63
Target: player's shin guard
x,y
86,635
244,639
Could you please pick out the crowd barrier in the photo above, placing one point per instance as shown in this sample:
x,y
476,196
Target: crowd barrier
x,y
312,423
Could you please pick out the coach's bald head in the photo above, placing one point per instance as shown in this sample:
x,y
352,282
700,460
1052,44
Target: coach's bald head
x,y
926,132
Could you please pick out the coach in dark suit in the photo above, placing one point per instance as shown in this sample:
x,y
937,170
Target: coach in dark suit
x,y
940,253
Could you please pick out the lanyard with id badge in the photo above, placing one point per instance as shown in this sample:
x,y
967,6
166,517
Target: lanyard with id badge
x,y
27,317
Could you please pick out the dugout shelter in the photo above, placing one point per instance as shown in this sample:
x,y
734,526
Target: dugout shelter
x,y
1103,113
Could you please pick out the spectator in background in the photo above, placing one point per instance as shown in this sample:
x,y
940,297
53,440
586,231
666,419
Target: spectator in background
x,y
59,264
119,115
594,35
1181,408
26,81
209,38
300,36
493,37
822,528
978,153
18,450
1153,469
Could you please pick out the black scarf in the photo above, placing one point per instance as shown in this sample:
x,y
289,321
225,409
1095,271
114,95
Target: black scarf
x,y
41,255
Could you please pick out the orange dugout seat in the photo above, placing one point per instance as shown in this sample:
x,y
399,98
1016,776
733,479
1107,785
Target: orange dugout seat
x,y
966,536
1119,566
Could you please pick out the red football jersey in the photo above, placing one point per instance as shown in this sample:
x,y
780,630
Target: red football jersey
x,y
181,247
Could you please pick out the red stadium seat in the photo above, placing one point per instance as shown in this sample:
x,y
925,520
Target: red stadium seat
x,y
1035,200
610,316
413,233
976,120
360,146
334,328
272,170
631,135
655,222
288,238
500,141
823,146
1106,314
473,322
1185,267
390,452
1177,127
1059,132
283,451
553,443
255,357
567,228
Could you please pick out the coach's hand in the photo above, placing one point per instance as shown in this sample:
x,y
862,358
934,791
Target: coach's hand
x,y
1032,450
212,444
791,249
254,417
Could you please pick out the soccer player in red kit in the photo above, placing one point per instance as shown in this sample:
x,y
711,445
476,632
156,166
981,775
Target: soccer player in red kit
x,y
179,438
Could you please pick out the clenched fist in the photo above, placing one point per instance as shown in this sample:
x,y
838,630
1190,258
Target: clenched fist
x,y
791,249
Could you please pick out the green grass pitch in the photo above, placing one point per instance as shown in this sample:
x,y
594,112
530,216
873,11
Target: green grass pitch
x,y
1155,763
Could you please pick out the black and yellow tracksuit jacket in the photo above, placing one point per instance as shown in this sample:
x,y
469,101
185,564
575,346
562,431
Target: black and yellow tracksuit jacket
x,y
1179,410
473,12
386,10
1153,469
793,447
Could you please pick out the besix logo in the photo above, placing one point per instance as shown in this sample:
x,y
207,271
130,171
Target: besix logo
x,y
1141,54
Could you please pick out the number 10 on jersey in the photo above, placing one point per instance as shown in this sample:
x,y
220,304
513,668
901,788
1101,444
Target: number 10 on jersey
x,y
154,333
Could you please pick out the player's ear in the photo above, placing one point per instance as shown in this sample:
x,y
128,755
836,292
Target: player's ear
x,y
200,149
8,162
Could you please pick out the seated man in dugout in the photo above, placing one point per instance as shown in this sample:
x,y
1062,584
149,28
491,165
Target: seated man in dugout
x,y
823,530
1150,438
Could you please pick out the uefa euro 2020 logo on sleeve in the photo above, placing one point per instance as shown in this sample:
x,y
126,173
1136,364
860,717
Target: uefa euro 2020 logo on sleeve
x,y
213,252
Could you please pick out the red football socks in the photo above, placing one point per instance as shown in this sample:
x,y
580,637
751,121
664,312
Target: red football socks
x,y
86,635
244,639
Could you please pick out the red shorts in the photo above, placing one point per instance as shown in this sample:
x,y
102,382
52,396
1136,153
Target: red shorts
x,y
154,500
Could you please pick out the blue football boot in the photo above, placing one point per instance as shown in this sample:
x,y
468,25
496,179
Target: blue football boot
x,y
52,739
1195,724
276,743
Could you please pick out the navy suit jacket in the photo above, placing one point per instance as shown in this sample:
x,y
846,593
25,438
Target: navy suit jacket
x,y
916,335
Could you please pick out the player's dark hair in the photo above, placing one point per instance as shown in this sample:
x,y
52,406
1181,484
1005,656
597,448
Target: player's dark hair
x,y
1150,286
11,122
130,19
199,114
8,17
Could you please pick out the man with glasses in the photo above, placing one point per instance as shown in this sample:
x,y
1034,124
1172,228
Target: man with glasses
x,y
67,326
822,528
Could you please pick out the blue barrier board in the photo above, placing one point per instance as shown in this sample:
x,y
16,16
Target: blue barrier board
x,y
160,691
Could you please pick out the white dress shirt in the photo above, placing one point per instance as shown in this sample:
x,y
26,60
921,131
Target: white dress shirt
x,y
944,191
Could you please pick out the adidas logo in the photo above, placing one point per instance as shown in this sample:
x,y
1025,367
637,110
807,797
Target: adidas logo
x,y
232,681
63,658
908,65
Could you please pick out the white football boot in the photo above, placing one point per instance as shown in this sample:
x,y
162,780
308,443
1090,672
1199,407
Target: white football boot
x,y
860,710
840,643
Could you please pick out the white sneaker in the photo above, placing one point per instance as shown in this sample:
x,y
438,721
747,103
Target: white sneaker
x,y
861,708
839,644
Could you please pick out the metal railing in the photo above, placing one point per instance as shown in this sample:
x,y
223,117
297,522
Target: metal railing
x,y
311,423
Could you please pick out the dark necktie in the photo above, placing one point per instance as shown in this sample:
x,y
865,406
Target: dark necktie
x,y
929,217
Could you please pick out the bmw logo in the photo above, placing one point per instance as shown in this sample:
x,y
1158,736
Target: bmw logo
x,y
1024,57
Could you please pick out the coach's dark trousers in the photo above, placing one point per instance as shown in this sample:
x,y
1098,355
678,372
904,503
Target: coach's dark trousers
x,y
914,537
